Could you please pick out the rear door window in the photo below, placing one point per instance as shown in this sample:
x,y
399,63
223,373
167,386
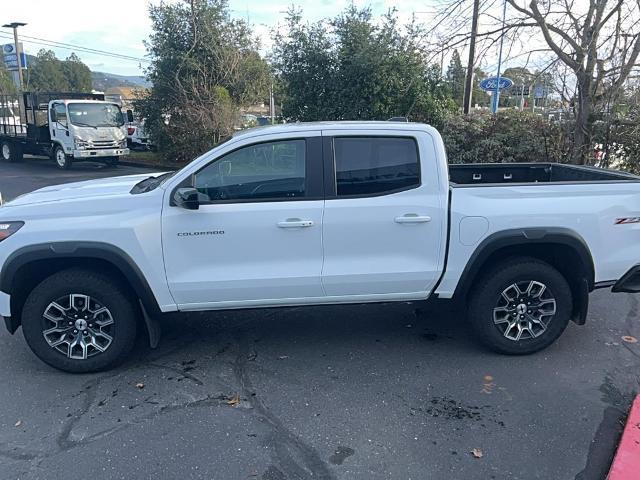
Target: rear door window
x,y
375,165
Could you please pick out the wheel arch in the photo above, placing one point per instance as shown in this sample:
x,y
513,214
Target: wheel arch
x,y
562,248
28,266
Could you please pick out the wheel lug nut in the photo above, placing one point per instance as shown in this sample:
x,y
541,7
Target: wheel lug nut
x,y
70,323
75,331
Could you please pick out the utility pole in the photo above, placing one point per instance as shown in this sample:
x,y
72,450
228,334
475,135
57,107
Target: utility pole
x,y
15,26
468,85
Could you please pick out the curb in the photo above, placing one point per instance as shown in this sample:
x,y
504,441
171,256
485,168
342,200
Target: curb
x,y
157,167
626,463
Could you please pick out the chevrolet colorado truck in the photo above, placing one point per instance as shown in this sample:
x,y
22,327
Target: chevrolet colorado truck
x,y
309,214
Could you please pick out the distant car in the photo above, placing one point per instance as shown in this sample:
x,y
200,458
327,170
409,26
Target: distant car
x,y
137,137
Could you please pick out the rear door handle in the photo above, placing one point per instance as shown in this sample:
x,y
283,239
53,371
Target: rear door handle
x,y
413,218
295,223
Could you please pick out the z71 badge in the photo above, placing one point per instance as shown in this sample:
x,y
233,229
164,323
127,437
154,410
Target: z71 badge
x,y
625,220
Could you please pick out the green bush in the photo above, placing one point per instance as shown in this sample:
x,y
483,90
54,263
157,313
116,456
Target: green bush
x,y
510,136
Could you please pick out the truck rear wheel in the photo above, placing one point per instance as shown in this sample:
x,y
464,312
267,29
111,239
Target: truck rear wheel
x,y
10,151
520,306
79,321
63,160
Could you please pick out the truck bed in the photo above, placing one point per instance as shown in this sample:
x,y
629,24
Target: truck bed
x,y
528,173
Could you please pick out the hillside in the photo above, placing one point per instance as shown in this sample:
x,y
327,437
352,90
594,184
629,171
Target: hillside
x,y
103,80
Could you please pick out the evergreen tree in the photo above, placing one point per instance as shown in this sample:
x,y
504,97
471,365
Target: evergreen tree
x,y
355,68
204,67
455,78
47,74
77,74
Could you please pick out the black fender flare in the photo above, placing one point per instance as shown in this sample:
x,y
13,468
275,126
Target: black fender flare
x,y
535,236
84,250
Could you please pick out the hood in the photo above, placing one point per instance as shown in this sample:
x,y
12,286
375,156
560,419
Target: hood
x,y
81,190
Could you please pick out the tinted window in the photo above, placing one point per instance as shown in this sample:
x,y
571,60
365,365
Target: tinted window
x,y
375,165
273,170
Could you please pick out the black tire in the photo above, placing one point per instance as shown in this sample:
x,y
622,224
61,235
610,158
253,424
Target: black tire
x,y
98,287
63,161
487,295
10,151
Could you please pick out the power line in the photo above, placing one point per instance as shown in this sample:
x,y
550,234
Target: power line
x,y
68,46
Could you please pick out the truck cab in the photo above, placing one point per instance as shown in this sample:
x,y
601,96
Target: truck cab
x,y
86,129
65,126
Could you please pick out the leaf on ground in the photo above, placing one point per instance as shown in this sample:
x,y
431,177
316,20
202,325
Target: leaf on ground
x,y
234,401
283,357
477,453
18,423
630,339
140,385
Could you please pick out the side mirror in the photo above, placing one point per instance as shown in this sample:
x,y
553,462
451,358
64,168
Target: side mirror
x,y
130,116
54,117
187,197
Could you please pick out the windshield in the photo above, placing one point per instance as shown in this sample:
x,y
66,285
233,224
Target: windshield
x,y
95,115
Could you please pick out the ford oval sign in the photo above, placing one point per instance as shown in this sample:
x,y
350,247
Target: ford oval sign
x,y
489,84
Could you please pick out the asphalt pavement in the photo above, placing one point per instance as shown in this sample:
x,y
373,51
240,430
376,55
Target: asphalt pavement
x,y
369,392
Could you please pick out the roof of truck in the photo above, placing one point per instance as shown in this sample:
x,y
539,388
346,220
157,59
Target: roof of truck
x,y
336,125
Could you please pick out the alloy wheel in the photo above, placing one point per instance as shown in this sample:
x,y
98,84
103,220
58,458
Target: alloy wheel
x,y
78,326
524,310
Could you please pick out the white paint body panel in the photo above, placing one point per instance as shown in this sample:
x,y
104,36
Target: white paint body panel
x,y
589,210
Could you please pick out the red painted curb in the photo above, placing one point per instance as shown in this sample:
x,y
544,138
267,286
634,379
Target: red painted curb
x,y
626,464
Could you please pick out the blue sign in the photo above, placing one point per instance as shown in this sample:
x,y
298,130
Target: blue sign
x,y
11,58
489,84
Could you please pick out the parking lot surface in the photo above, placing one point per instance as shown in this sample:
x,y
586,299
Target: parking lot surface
x,y
369,392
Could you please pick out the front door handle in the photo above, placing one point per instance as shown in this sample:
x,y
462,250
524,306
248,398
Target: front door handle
x,y
295,223
413,218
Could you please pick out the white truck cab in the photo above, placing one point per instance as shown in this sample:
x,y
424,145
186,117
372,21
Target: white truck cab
x,y
65,127
86,129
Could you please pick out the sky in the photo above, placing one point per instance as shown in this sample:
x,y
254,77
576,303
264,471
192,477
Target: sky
x,y
121,26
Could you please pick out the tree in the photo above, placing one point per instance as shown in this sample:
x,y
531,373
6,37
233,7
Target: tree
x,y
354,68
46,73
7,85
49,74
204,67
77,74
479,97
599,41
455,77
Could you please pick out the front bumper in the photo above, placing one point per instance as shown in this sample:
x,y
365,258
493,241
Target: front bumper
x,y
103,152
629,282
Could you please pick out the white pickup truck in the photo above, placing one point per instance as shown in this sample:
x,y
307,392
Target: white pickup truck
x,y
308,214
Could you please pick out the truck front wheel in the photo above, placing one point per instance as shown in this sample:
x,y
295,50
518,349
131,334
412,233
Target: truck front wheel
x,y
62,160
520,306
79,320
10,151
